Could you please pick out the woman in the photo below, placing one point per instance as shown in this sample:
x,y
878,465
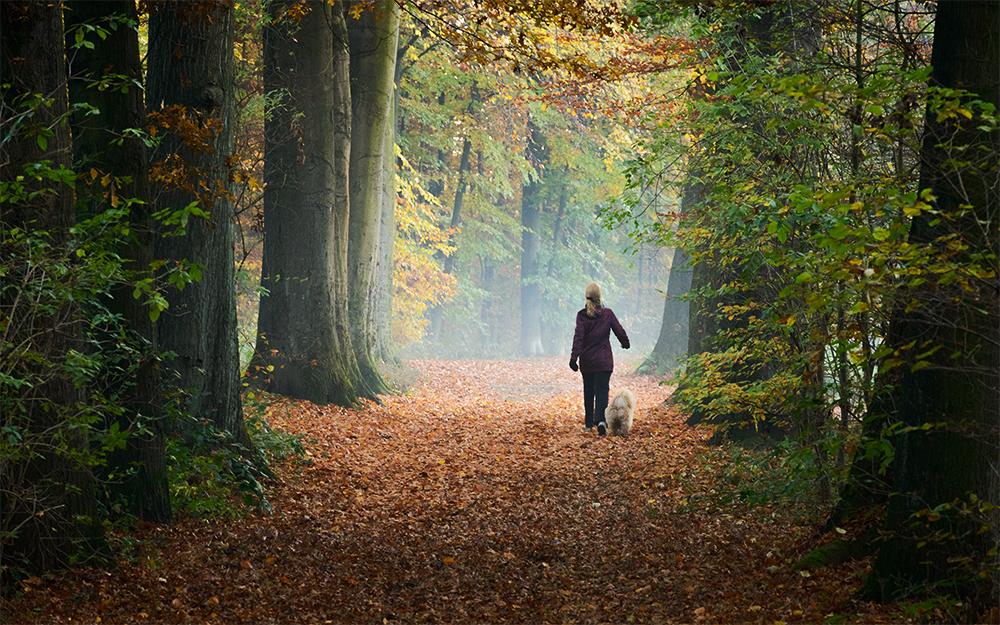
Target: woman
x,y
592,347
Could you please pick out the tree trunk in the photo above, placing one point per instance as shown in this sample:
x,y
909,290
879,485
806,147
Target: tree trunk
x,y
95,147
49,517
948,457
373,36
673,339
531,223
554,328
190,64
385,349
437,312
758,34
304,345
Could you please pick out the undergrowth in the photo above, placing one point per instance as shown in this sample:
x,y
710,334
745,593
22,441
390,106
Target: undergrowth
x,y
211,474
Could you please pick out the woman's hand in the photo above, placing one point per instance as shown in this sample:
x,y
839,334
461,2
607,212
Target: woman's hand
x,y
573,365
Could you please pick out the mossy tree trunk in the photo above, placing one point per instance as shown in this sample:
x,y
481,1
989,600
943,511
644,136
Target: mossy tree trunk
x,y
373,37
304,347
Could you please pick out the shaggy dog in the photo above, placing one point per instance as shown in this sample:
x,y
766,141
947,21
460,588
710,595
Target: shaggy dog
x,y
618,416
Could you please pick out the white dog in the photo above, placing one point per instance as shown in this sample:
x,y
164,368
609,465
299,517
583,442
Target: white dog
x,y
618,416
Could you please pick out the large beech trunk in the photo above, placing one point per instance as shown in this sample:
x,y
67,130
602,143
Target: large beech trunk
x,y
190,64
373,37
304,344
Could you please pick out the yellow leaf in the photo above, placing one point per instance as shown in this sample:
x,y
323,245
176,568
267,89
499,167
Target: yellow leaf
x,y
449,560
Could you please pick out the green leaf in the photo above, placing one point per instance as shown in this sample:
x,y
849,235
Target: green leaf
x,y
839,231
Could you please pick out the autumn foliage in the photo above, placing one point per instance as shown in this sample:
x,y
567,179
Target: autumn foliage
x,y
476,497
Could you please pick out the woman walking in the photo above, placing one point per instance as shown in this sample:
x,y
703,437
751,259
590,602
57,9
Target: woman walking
x,y
592,348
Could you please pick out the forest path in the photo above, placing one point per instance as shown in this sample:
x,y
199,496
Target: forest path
x,y
476,498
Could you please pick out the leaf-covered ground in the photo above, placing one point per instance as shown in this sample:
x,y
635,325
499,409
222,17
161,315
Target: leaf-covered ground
x,y
476,498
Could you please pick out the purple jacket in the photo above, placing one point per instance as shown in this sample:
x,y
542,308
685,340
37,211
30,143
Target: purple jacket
x,y
592,340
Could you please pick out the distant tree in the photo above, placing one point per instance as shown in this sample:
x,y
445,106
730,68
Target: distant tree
x,y
671,343
536,153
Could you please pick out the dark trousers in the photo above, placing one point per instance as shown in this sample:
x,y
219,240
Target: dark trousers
x,y
595,396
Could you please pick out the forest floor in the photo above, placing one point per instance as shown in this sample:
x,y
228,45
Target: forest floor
x,y
475,498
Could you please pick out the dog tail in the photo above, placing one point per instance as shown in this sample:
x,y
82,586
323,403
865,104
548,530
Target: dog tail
x,y
621,402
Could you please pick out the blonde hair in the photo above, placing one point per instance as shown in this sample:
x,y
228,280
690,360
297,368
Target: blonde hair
x,y
593,294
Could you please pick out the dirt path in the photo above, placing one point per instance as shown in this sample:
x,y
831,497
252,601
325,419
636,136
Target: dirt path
x,y
475,498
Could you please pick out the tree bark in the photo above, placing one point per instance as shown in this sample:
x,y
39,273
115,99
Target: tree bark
x,y
304,345
373,36
190,63
949,451
48,496
385,348
95,146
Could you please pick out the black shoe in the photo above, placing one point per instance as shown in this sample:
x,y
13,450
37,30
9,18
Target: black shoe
x,y
602,428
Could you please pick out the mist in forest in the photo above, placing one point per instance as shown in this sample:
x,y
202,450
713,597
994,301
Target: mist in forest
x,y
488,325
